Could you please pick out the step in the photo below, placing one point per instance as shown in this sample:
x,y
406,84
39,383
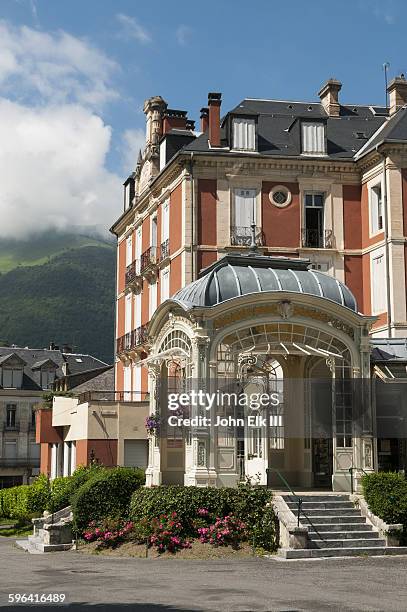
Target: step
x,y
332,512
341,505
341,527
317,498
341,535
27,546
334,520
347,543
320,553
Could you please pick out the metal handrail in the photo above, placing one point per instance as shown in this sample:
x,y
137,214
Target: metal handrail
x,y
351,470
299,502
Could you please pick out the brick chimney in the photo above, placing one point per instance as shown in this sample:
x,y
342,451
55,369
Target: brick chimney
x,y
214,102
329,95
204,118
397,91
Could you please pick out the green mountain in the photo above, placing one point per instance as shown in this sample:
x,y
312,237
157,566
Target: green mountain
x,y
68,299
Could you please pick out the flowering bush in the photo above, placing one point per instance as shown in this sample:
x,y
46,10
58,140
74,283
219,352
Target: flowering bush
x,y
226,531
167,534
153,424
109,533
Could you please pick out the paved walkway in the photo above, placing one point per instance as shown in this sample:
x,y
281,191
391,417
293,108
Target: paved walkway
x,y
241,585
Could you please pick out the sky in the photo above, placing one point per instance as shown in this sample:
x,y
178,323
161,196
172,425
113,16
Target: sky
x,y
74,75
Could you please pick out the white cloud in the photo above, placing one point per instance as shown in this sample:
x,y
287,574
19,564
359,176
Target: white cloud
x,y
56,67
131,28
132,142
52,169
53,141
183,34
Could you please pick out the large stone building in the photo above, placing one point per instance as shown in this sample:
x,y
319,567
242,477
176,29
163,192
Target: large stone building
x,y
25,375
268,247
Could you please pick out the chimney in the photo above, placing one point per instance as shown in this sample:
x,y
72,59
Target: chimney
x,y
66,348
190,125
329,95
214,102
397,91
204,119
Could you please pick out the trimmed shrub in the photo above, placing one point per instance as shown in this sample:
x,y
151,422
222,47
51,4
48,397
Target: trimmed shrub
x,y
386,496
247,503
64,487
105,496
25,501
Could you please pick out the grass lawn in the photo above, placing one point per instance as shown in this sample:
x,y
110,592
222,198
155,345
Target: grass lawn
x,y
198,551
7,521
16,532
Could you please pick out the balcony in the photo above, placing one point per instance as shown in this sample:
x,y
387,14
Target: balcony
x,y
164,251
149,261
314,239
133,277
113,396
133,341
242,236
11,426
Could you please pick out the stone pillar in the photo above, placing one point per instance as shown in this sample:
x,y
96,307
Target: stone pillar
x,y
53,461
153,471
73,457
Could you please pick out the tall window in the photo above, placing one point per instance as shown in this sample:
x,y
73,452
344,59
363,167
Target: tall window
x,y
314,220
138,249
129,250
165,283
33,415
313,138
343,413
137,310
243,214
47,378
153,230
244,134
165,221
378,282
376,209
11,410
152,298
127,313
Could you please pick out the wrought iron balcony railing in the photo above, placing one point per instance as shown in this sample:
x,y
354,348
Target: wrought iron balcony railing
x,y
148,259
11,426
242,236
132,340
133,274
165,250
315,239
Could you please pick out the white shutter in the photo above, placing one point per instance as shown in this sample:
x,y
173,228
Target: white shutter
x,y
153,231
137,310
127,314
137,381
152,298
163,153
245,207
127,383
139,238
378,281
129,250
136,453
244,134
165,284
165,221
313,138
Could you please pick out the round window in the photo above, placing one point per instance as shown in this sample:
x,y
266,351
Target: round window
x,y
280,196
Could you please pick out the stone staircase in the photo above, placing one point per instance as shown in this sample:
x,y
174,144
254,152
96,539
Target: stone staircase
x,y
52,533
336,528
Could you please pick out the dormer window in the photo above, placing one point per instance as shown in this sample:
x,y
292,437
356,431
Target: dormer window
x,y
128,192
12,378
244,134
313,138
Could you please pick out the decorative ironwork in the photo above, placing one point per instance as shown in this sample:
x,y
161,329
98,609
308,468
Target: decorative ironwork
x,y
242,236
165,250
133,275
315,239
148,259
132,340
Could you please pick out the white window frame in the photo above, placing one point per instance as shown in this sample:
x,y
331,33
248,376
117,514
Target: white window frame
x,y
310,142
378,282
138,247
13,376
152,298
244,134
153,231
165,221
137,310
375,206
165,284
127,313
129,250
243,192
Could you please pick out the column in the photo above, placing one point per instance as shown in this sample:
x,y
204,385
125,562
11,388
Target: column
x,y
153,471
53,461
73,458
66,452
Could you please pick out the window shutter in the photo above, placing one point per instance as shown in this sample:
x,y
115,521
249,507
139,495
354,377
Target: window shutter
x,y
165,221
245,205
378,284
129,250
127,314
313,138
244,134
137,310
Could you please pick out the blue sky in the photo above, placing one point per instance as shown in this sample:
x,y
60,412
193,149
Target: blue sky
x,y
125,51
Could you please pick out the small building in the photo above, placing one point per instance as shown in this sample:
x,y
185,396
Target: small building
x,y
25,374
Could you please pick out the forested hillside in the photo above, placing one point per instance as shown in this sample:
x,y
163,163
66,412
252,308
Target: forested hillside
x,y
69,299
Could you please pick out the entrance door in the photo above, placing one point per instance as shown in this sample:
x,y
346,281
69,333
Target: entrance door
x,y
322,462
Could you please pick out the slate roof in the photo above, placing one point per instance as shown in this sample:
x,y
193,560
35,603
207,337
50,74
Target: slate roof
x,y
389,349
279,127
34,358
236,275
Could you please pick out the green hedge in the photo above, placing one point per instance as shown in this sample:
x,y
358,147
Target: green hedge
x,y
248,503
64,487
386,496
25,501
107,495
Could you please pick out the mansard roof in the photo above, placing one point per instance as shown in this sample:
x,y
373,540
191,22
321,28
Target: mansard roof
x,y
233,276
